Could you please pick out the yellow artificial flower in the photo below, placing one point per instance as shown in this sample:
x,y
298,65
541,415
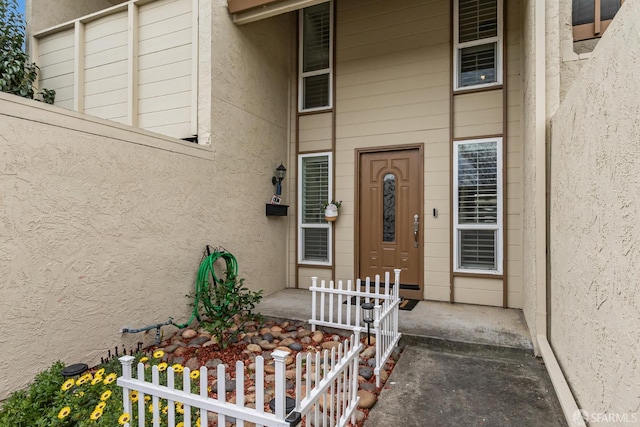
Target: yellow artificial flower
x,y
158,354
96,380
198,422
110,378
143,359
106,395
195,375
134,396
147,398
96,414
162,366
177,368
180,424
99,372
179,408
151,408
124,418
64,412
165,410
100,406
68,384
81,380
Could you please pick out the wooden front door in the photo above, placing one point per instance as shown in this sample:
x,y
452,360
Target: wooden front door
x,y
390,232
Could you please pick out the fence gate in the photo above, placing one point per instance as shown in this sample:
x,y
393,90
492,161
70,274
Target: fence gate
x,y
338,306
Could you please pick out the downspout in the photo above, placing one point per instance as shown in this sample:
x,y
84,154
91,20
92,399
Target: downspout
x,y
560,385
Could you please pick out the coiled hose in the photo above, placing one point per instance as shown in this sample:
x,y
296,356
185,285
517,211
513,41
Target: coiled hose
x,y
207,275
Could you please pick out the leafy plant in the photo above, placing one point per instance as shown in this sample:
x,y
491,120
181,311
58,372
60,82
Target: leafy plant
x,y
92,399
227,307
17,72
337,204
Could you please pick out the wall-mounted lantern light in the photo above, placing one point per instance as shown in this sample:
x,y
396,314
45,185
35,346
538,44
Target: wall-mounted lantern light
x,y
281,171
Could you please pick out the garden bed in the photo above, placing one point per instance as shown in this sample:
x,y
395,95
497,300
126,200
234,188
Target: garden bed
x,y
95,399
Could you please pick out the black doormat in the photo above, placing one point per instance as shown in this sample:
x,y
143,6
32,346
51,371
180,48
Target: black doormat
x,y
408,304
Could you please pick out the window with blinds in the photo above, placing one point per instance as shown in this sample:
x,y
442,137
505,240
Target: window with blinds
x,y
590,18
316,47
478,205
478,43
315,190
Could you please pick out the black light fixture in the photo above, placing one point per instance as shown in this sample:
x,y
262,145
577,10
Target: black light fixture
x,y
367,317
74,370
281,171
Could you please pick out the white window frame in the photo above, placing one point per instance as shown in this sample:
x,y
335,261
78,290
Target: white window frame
x,y
302,75
325,225
498,227
457,47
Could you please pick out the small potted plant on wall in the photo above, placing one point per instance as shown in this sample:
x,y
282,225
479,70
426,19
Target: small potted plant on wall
x,y
331,210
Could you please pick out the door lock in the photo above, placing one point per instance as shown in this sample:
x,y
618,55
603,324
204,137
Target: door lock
x,y
416,230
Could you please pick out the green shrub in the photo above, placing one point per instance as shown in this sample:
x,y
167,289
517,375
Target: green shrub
x,y
93,399
17,72
226,307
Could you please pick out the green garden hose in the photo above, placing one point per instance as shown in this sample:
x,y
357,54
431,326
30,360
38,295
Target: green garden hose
x,y
207,275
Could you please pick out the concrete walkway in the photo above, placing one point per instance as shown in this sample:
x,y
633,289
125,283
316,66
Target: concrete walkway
x,y
462,365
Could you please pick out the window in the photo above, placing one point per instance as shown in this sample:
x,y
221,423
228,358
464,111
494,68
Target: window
x,y
478,43
315,189
591,17
478,206
316,59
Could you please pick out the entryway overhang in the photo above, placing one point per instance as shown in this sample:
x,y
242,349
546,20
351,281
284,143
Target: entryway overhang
x,y
246,11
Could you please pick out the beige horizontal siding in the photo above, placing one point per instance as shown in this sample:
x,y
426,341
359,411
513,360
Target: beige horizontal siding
x,y
56,62
315,132
105,67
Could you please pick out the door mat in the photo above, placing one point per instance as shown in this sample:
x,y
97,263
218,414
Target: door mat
x,y
408,304
352,300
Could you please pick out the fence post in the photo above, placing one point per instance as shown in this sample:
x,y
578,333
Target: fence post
x,y
279,357
396,287
314,283
379,341
355,373
126,362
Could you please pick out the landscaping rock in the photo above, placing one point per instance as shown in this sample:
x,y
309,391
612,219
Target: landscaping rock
x,y
189,333
365,372
266,345
303,333
368,352
368,387
193,364
295,346
384,376
317,337
171,348
213,363
254,348
367,399
268,337
197,342
287,342
330,344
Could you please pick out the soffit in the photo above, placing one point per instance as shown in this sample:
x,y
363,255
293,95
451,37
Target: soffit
x,y
245,11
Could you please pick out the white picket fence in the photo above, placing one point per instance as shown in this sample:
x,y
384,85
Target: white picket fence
x,y
326,386
328,309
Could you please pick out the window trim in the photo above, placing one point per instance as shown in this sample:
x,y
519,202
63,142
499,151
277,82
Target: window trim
x,y
595,29
457,47
498,227
329,71
326,225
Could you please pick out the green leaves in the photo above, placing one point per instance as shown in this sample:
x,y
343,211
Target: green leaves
x,y
17,72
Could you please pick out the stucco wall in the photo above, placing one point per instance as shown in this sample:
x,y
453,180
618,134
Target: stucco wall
x,y
103,226
528,184
594,226
42,14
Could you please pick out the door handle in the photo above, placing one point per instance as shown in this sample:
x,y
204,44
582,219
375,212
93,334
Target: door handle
x,y
416,230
